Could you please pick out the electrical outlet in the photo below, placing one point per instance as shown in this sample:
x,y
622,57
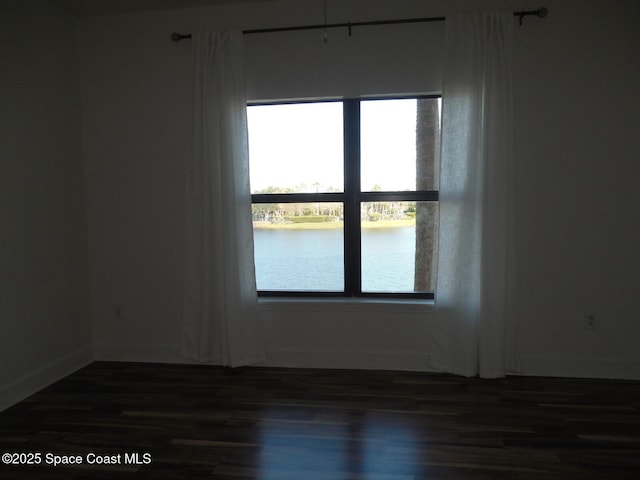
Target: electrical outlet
x,y
589,321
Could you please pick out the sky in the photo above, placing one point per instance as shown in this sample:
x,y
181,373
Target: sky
x,y
296,144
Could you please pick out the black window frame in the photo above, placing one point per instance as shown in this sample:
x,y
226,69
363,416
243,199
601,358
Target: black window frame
x,y
352,197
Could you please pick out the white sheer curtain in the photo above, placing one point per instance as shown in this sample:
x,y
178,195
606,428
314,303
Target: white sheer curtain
x,y
475,206
220,318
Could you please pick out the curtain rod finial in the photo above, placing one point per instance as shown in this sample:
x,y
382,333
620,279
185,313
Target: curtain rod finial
x,y
542,12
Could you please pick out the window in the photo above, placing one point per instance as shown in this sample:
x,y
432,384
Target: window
x,y
344,197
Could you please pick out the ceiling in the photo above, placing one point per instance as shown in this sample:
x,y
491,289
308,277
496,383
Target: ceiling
x,y
87,8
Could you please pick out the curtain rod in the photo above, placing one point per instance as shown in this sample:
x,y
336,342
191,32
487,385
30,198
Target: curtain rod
x,y
541,13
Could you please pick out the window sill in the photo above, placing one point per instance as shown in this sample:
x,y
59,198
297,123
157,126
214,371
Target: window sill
x,y
346,304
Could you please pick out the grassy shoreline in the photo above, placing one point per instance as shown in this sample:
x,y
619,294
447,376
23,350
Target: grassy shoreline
x,y
409,222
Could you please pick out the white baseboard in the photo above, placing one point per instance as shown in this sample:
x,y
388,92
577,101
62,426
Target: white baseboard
x,y
580,367
38,379
140,353
384,360
348,359
292,358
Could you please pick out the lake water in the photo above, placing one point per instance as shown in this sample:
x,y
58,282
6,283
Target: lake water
x,y
288,259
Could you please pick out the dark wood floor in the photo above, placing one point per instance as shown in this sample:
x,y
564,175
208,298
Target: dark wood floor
x,y
195,422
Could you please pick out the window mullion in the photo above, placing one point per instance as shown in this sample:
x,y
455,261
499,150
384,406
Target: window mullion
x,y
352,261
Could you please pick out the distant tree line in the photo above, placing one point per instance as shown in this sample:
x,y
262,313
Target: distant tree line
x,y
332,211
374,211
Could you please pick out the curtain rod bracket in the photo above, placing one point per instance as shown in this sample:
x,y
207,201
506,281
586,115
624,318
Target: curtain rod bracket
x,y
540,13
176,37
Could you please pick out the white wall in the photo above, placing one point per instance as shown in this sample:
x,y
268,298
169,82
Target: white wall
x,y
44,301
578,217
577,147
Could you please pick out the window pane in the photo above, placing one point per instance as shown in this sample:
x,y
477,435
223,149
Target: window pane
x,y
398,246
296,147
299,246
393,134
